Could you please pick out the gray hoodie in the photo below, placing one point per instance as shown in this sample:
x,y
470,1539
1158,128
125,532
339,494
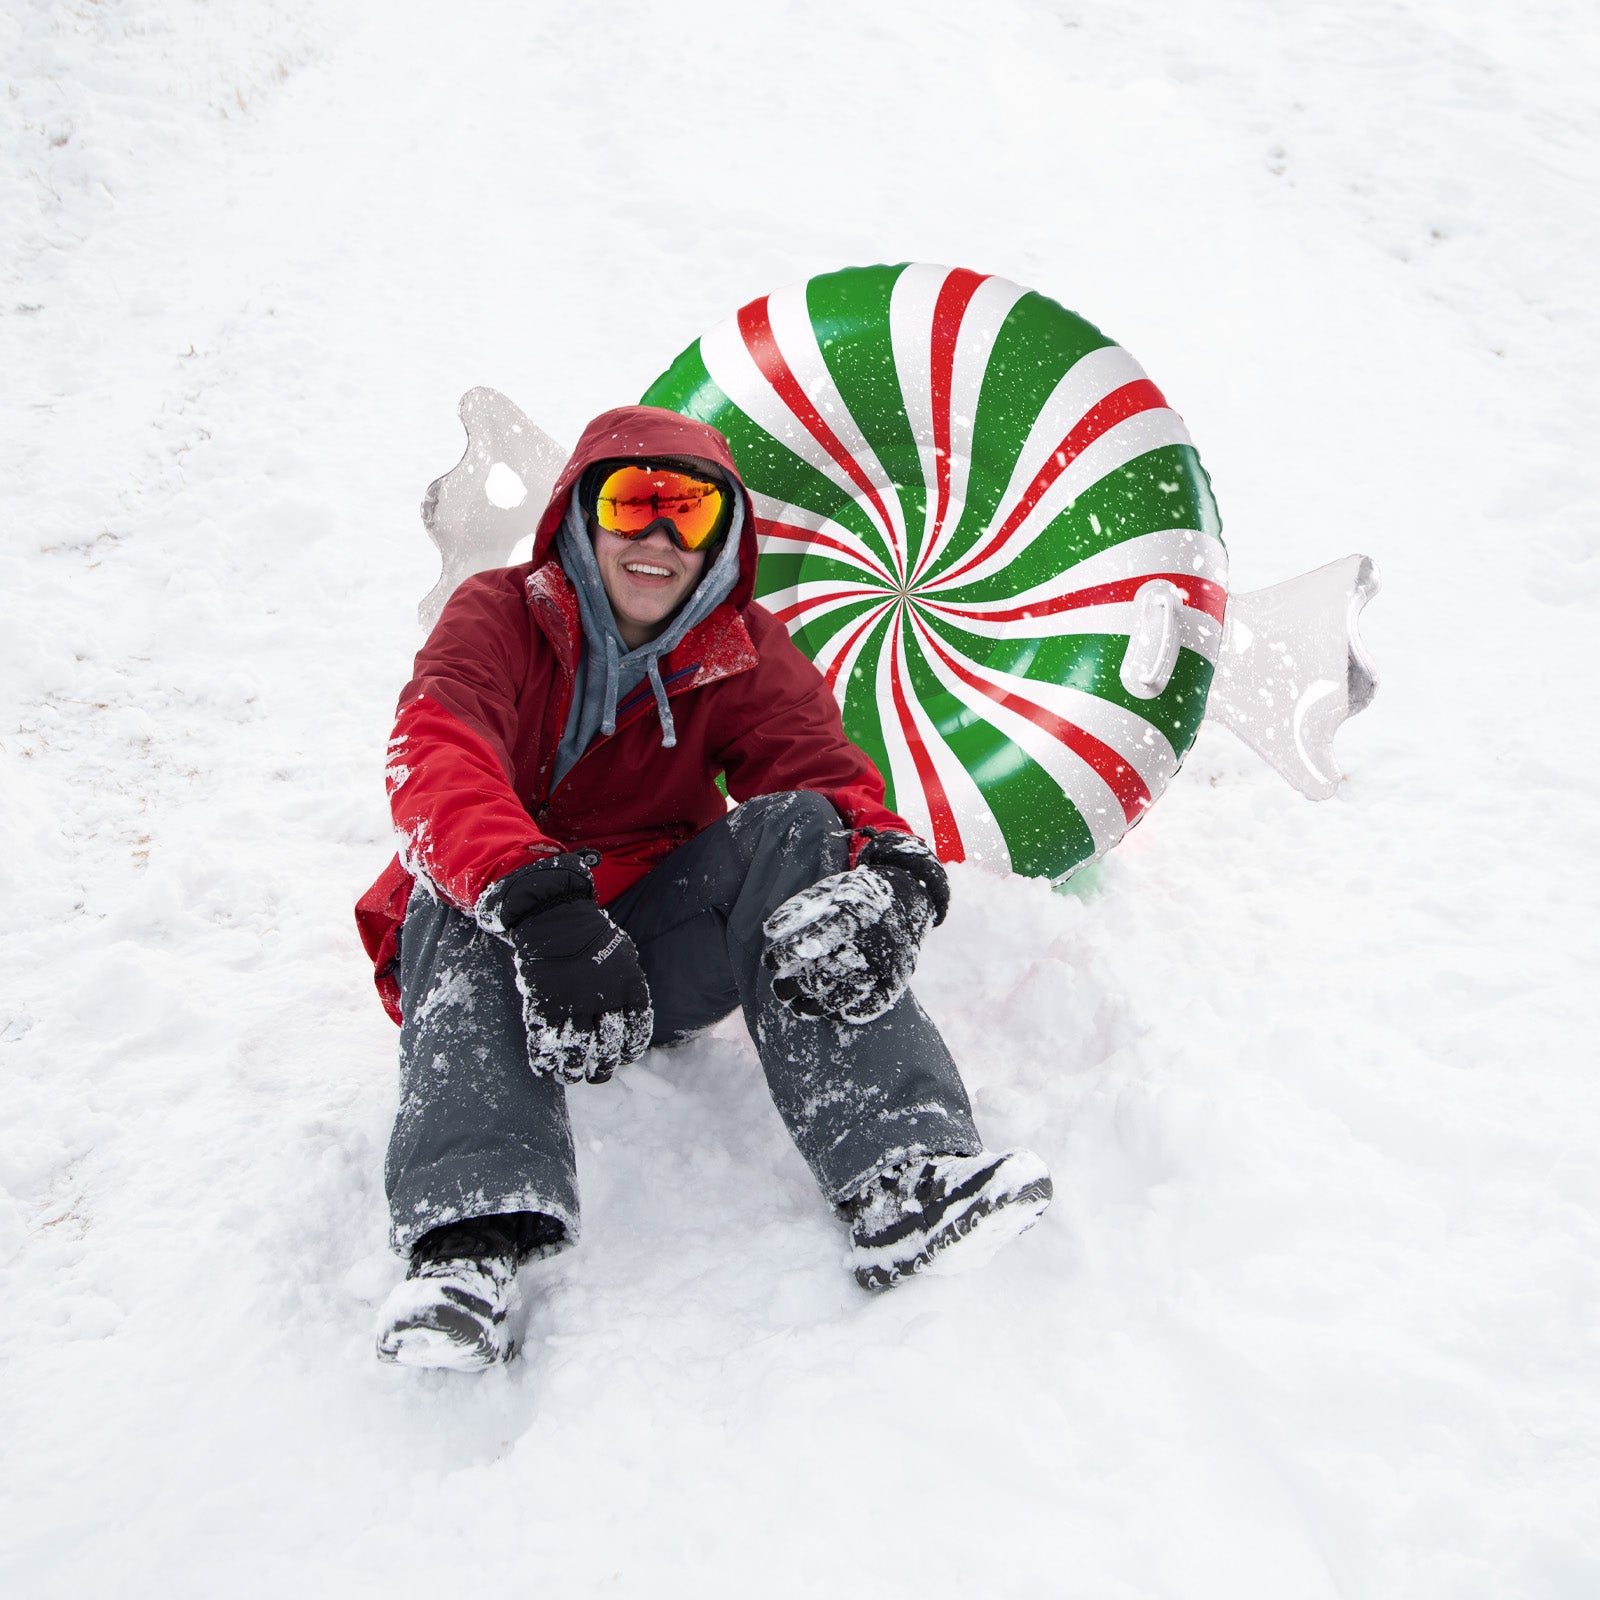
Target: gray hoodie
x,y
607,670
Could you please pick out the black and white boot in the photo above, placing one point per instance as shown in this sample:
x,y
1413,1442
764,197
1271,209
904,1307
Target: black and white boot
x,y
945,1214
451,1309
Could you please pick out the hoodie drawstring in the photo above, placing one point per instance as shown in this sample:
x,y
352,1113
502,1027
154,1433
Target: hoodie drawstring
x,y
669,730
608,723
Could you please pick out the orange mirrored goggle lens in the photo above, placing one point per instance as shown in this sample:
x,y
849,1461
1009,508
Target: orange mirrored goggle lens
x,y
633,499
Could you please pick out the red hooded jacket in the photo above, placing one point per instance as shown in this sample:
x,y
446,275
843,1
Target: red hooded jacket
x,y
478,725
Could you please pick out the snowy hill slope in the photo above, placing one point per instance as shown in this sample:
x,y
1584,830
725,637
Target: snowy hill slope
x,y
1317,1311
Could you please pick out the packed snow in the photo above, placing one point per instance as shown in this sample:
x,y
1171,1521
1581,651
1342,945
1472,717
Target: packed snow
x,y
1317,1308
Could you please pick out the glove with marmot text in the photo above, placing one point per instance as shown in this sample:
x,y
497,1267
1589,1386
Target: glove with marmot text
x,y
584,996
846,947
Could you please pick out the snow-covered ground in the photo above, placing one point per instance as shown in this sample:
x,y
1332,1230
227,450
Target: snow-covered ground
x,y
1317,1311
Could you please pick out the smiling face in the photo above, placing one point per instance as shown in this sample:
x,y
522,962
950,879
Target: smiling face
x,y
646,580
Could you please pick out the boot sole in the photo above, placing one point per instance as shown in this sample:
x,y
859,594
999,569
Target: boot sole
x,y
450,1334
979,1236
970,1240
451,1351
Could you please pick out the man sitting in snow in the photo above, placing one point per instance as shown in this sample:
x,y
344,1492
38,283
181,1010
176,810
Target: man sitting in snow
x,y
575,890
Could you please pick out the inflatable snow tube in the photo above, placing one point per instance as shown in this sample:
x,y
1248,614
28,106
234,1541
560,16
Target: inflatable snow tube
x,y
984,524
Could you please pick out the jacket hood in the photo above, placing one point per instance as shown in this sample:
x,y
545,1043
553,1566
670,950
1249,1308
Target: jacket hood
x,y
634,431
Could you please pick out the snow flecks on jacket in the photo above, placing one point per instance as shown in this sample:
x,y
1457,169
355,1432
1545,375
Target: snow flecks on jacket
x,y
452,776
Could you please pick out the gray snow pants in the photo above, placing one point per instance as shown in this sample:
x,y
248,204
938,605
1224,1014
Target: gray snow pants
x,y
480,1133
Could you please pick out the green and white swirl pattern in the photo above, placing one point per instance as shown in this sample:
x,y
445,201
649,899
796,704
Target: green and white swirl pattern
x,y
960,488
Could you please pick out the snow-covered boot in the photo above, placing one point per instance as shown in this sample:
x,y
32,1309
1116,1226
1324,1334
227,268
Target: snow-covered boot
x,y
945,1214
451,1309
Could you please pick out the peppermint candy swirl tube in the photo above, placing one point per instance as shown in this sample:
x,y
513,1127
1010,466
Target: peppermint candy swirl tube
x,y
982,522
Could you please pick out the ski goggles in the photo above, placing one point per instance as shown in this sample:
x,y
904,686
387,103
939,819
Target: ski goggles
x,y
632,499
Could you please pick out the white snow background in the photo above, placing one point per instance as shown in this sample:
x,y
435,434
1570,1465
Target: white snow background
x,y
1317,1309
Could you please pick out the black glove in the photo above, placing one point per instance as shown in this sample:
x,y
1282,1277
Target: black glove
x,y
584,997
846,947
